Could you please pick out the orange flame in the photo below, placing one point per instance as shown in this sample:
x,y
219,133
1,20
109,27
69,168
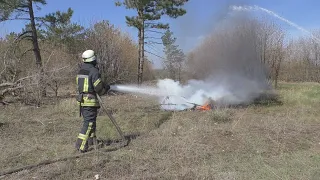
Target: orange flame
x,y
205,107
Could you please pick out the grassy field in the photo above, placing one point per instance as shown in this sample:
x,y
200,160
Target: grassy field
x,y
271,141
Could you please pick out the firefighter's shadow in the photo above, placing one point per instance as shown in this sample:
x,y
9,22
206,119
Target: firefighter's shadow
x,y
115,144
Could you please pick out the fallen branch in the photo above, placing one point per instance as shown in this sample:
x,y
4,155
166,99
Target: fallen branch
x,y
4,103
49,58
10,90
55,70
6,84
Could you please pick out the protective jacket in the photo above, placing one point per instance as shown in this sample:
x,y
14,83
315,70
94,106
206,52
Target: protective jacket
x,y
89,84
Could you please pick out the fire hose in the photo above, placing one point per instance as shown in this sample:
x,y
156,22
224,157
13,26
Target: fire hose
x,y
46,162
111,118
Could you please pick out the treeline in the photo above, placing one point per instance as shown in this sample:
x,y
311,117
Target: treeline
x,y
46,54
302,60
44,57
257,48
61,43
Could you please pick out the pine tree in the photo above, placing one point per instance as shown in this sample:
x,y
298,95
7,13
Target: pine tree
x,y
59,28
149,13
174,56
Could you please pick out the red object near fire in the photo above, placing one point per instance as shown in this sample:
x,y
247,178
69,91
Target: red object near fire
x,y
204,107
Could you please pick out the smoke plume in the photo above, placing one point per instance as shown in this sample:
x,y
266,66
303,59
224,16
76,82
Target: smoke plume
x,y
225,67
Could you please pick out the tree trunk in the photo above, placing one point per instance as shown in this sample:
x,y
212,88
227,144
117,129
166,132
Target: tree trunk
x,y
56,88
278,66
179,73
307,70
36,49
264,49
316,62
276,75
141,48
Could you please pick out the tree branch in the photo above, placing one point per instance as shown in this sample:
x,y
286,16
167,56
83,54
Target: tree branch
x,y
25,52
152,42
49,58
155,54
6,84
10,90
55,70
153,48
154,31
152,38
22,34
24,19
29,38
22,10
19,8
151,23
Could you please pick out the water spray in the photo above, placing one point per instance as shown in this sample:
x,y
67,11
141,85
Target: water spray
x,y
172,95
168,100
151,91
256,8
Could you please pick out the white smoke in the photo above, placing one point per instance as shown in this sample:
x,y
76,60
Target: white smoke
x,y
228,64
223,91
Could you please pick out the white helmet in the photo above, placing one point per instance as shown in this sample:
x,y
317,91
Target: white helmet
x,y
88,56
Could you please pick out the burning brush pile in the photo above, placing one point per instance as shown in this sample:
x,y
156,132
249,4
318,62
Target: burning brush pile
x,y
205,107
170,103
167,104
211,94
202,95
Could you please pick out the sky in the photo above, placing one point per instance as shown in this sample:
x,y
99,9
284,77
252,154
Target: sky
x,y
202,16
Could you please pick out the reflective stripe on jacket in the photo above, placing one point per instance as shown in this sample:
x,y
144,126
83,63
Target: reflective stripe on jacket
x,y
89,83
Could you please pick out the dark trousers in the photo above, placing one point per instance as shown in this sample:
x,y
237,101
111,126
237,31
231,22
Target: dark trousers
x,y
88,131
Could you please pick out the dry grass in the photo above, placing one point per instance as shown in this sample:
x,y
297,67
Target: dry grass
x,y
256,142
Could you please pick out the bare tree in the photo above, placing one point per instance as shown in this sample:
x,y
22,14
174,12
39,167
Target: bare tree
x,y
116,53
271,40
20,8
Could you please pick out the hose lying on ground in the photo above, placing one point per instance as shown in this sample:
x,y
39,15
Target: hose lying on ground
x,y
124,142
46,162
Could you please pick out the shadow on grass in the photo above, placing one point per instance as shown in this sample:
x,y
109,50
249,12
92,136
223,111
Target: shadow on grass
x,y
265,100
144,109
268,102
2,124
128,139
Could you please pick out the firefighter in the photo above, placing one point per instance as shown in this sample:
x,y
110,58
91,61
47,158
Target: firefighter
x,y
89,84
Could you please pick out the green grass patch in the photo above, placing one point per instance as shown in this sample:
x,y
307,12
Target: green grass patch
x,y
300,94
220,115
